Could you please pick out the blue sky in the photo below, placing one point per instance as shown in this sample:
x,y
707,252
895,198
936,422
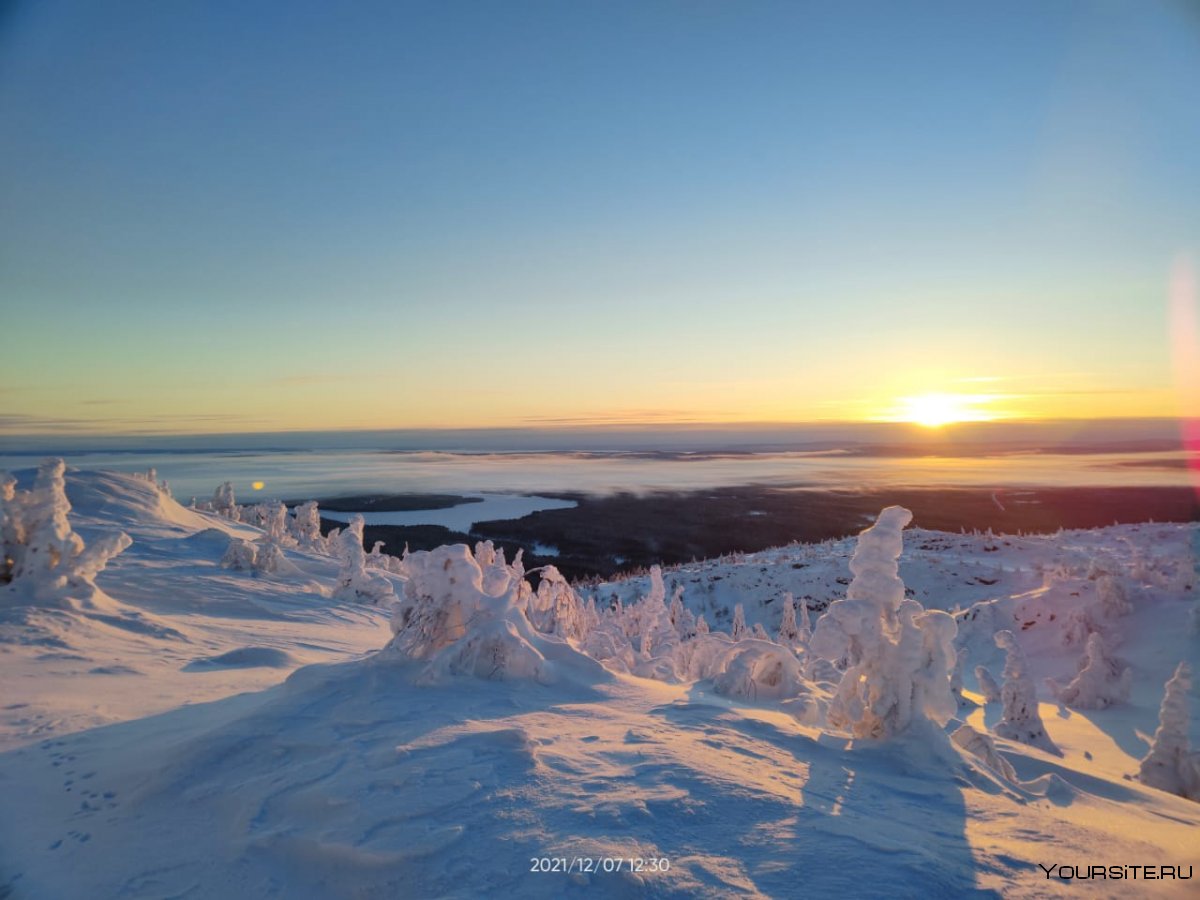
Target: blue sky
x,y
309,215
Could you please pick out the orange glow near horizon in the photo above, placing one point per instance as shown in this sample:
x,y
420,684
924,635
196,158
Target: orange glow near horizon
x,y
933,410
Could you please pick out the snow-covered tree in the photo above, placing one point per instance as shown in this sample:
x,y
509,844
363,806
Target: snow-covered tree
x,y
1079,624
1112,594
856,626
151,475
737,629
305,526
41,552
956,674
608,643
12,526
789,631
40,549
354,581
804,622
555,608
898,655
987,685
49,541
1020,719
272,518
224,503
1100,682
1170,766
682,617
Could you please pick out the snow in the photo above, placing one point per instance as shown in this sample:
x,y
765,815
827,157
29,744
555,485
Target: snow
x,y
237,733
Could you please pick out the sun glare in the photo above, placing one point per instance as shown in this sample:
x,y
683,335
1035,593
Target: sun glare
x,y
936,410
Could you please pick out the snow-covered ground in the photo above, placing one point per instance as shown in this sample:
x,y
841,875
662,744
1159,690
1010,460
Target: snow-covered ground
x,y
174,727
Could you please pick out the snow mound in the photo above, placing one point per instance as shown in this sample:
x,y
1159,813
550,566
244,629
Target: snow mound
x,y
244,658
133,504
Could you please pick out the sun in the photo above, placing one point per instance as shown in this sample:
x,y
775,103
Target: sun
x,y
936,410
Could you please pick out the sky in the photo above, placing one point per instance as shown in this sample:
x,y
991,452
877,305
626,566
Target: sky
x,y
222,216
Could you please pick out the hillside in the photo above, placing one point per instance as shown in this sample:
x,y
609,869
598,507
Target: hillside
x,y
329,723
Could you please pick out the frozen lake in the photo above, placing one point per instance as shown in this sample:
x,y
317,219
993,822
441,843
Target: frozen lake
x,y
486,508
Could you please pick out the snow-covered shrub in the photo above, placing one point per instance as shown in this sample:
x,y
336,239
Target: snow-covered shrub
x,y
151,475
983,748
224,503
1101,682
1112,596
272,519
447,619
12,528
1020,719
354,581
760,670
987,685
608,643
240,555
555,608
1079,625
40,549
1170,766
649,626
898,656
